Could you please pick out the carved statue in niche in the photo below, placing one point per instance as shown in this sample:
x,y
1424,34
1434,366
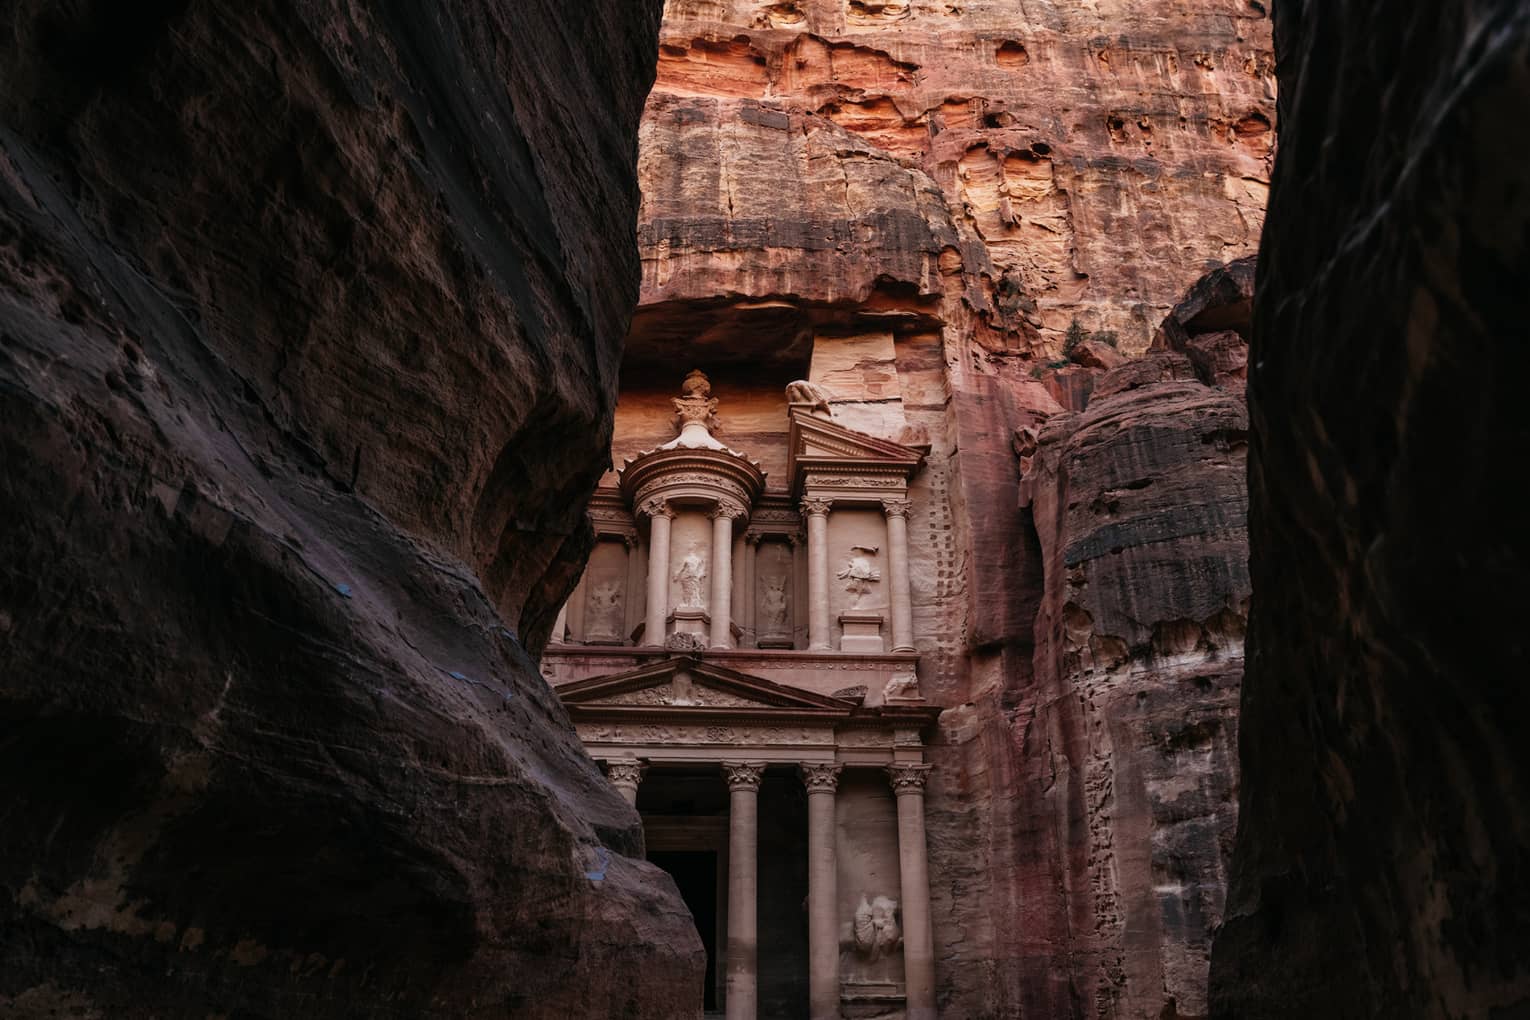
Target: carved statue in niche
x,y
876,927
815,396
692,576
604,617
773,604
858,572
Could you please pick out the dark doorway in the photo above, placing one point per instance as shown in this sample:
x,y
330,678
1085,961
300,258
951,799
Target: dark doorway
x,y
695,872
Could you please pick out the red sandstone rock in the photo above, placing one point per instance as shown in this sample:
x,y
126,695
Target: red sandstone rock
x,y
1381,860
291,299
969,181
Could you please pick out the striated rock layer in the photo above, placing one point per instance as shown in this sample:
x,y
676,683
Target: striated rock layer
x,y
1067,162
291,298
1381,867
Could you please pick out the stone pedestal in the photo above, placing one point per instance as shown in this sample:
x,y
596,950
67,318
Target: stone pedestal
x,y
689,620
862,633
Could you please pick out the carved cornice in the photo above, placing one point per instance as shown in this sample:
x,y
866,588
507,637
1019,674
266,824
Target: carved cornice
x,y
820,777
744,775
908,778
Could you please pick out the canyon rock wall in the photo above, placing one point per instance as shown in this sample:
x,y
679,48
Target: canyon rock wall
x,y
290,298
976,212
1380,867
1093,159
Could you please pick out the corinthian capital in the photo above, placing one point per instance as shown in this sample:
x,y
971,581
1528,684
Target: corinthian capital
x,y
815,506
908,778
896,507
820,776
726,508
657,508
744,775
626,774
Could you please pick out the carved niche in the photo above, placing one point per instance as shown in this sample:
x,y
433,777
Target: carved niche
x,y
773,594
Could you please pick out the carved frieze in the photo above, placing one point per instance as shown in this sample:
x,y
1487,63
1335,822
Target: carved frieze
x,y
702,734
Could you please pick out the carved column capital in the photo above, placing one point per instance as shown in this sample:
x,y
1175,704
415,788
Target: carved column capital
x,y
816,506
726,508
896,507
820,776
908,778
744,775
626,774
657,508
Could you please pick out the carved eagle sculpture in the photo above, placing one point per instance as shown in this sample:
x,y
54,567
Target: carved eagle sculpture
x,y
876,927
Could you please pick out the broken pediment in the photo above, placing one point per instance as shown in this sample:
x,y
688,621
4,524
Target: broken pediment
x,y
821,445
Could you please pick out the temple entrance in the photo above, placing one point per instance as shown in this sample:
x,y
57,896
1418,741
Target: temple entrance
x,y
696,873
685,824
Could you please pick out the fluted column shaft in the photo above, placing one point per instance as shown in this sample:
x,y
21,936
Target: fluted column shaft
x,y
817,511
722,574
743,888
918,938
659,516
898,576
823,895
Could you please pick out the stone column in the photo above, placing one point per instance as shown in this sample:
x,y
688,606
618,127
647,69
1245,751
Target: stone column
x,y
897,570
626,776
821,780
918,938
817,511
722,572
560,625
659,516
743,888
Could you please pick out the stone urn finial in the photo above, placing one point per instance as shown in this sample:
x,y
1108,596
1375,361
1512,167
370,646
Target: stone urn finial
x,y
696,410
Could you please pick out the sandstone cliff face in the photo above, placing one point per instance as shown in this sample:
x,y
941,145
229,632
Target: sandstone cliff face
x,y
1127,732
961,183
290,298
1091,159
1380,868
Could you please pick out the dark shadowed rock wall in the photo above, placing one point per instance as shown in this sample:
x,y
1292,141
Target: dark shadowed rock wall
x,y
310,315
1382,866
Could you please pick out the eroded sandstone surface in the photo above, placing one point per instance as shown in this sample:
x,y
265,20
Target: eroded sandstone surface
x,y
292,300
1380,867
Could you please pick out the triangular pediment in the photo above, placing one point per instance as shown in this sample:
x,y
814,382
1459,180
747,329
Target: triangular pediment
x,y
686,682
821,442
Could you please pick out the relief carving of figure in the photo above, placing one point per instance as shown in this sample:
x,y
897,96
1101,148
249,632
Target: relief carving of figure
x,y
692,577
876,927
858,572
774,604
605,609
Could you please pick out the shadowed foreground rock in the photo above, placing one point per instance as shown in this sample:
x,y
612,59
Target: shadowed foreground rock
x,y
1381,864
309,323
